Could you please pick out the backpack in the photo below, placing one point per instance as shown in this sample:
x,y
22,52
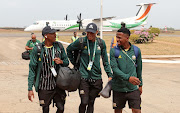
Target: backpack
x,y
136,52
77,53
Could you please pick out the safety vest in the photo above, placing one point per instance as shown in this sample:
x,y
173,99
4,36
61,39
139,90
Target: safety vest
x,y
114,42
74,38
57,36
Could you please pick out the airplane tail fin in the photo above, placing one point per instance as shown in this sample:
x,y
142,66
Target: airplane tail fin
x,y
143,11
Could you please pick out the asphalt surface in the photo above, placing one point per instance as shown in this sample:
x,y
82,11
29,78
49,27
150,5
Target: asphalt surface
x,y
161,89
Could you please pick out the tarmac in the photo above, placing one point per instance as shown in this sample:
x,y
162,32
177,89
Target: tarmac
x,y
161,89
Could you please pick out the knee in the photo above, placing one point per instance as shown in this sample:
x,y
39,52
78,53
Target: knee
x,y
45,109
60,106
84,101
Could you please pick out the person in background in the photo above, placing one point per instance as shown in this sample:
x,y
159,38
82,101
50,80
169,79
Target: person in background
x,y
31,43
75,37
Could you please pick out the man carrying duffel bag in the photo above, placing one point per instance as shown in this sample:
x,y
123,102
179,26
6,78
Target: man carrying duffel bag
x,y
43,69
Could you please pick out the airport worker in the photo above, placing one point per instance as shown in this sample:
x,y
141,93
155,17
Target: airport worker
x,y
31,43
43,71
57,36
75,37
126,64
113,41
91,80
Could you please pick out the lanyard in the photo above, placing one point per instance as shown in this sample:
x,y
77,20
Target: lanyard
x,y
93,52
128,56
52,55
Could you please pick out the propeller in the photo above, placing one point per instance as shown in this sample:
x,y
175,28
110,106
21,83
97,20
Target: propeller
x,y
79,21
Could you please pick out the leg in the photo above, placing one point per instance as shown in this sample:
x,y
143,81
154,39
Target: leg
x,y
59,99
90,108
60,107
83,105
134,101
84,95
45,98
136,110
117,110
119,101
95,88
45,109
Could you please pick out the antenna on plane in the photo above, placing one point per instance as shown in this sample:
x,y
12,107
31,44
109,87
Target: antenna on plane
x,y
66,17
79,21
47,23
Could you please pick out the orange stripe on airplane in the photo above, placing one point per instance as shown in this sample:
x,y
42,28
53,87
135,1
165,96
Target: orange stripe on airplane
x,y
146,12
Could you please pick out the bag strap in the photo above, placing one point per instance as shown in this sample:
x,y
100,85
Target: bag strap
x,y
117,51
39,48
81,43
100,42
136,51
81,47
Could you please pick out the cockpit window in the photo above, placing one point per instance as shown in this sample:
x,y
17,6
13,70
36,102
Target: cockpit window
x,y
35,23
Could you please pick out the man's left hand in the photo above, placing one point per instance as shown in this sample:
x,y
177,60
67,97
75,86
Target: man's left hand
x,y
58,60
140,89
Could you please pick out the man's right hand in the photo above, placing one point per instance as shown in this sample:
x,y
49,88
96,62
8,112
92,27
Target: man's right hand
x,y
134,80
30,94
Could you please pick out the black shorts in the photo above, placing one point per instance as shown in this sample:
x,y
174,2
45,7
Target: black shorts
x,y
90,89
46,96
133,98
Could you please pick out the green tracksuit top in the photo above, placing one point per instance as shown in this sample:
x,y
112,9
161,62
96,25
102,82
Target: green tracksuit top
x,y
123,68
35,65
95,72
31,44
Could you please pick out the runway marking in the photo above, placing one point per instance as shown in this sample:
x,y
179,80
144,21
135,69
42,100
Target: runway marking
x,y
145,60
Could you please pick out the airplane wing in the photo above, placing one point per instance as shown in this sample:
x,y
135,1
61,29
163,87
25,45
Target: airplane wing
x,y
104,19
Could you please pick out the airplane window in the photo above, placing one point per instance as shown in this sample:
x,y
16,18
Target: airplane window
x,y
35,23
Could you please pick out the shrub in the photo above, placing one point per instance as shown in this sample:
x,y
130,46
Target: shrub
x,y
154,30
134,37
132,31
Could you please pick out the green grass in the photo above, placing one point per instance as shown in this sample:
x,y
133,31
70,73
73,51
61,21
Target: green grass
x,y
169,39
154,48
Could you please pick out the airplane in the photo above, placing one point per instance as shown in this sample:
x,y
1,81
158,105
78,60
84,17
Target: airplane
x,y
109,23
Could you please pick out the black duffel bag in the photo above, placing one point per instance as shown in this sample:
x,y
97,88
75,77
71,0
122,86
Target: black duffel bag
x,y
68,79
25,55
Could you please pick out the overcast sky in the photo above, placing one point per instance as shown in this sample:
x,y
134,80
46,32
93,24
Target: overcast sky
x,y
21,13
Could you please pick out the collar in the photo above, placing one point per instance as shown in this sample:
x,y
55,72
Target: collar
x,y
126,49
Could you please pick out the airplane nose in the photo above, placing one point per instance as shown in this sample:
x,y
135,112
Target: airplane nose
x,y
27,29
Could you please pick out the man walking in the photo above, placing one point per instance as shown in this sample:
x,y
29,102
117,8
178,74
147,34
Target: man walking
x,y
91,80
126,64
43,70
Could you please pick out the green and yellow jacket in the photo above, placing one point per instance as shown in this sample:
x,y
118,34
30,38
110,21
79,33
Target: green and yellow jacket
x,y
35,65
123,68
95,72
31,44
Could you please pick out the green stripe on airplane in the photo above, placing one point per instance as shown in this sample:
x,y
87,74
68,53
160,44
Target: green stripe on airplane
x,y
117,25
73,26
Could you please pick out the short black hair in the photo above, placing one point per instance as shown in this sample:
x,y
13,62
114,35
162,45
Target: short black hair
x,y
125,31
